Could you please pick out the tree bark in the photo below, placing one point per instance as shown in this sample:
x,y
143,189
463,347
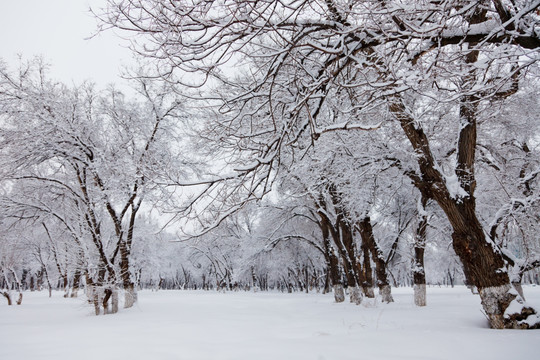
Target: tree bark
x,y
341,235
482,261
18,285
366,232
130,290
419,274
76,283
367,272
7,295
355,292
344,240
332,262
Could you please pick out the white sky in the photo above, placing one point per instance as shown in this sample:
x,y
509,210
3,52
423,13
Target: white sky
x,y
56,30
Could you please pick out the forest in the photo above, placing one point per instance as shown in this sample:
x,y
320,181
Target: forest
x,y
337,146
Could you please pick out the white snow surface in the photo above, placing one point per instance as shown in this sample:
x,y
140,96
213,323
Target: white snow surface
x,y
195,325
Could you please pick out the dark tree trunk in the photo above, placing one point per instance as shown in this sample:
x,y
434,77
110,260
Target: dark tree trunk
x,y
33,283
482,261
366,232
334,272
332,259
344,240
130,290
7,295
367,272
419,274
76,283
351,258
18,285
49,286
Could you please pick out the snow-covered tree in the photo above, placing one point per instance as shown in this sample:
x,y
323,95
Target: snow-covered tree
x,y
313,67
83,162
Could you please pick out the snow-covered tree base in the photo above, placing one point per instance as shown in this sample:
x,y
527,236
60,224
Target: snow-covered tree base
x,y
339,293
506,309
130,297
105,300
420,294
368,292
7,295
356,295
386,293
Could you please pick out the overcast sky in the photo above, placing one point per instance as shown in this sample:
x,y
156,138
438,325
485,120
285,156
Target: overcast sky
x,y
57,29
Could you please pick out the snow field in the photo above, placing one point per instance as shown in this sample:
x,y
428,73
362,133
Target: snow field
x,y
194,325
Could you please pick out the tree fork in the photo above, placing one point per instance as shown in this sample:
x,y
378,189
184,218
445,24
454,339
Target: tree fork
x,y
366,232
483,263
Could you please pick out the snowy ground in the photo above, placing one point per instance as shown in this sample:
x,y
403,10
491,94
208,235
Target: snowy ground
x,y
195,325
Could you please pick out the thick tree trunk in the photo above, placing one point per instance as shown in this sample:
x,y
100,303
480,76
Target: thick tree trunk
x,y
355,293
105,301
350,274
343,239
114,301
130,296
366,232
332,261
342,234
419,275
353,276
367,272
110,301
76,283
483,263
339,293
93,293
130,290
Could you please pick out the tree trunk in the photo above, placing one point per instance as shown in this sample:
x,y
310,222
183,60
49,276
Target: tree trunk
x,y
333,271
350,255
130,290
328,230
355,293
483,264
366,232
342,234
130,296
7,295
339,293
76,283
419,275
114,301
18,285
105,301
367,272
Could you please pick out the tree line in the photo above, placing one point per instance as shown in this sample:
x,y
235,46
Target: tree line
x,y
373,130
